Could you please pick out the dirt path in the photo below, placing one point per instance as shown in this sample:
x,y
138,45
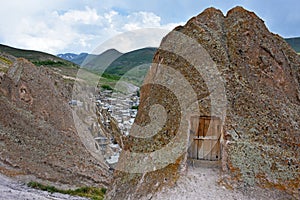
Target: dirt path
x,y
201,184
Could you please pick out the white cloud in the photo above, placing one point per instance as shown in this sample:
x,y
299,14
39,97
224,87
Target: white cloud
x,y
141,20
77,30
87,16
131,40
110,16
74,25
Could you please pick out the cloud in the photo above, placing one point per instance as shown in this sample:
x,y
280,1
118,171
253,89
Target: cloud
x,y
87,16
141,20
131,40
76,30
59,26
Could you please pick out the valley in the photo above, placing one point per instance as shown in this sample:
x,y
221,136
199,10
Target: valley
x,y
214,117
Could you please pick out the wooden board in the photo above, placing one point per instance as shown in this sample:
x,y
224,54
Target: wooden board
x,y
205,144
215,152
216,146
194,127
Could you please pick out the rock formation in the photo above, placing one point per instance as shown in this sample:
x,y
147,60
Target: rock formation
x,y
37,132
230,67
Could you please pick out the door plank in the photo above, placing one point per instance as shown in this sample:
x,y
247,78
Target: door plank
x,y
216,151
193,133
206,143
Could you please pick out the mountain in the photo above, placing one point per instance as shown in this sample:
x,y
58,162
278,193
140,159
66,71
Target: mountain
x,y
294,42
112,61
79,58
91,60
39,58
99,63
128,61
134,64
67,56
72,57
36,57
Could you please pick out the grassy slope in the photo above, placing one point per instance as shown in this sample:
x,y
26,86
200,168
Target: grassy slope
x,y
295,43
61,66
131,60
40,58
90,192
113,65
99,63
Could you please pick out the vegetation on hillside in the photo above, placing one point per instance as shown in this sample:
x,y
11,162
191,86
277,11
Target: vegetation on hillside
x,y
5,60
106,87
40,58
49,63
90,192
113,65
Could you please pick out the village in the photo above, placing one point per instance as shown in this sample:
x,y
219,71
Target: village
x,y
122,107
112,107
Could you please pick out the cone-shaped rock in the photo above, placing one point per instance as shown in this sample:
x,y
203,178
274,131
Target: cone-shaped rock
x,y
232,73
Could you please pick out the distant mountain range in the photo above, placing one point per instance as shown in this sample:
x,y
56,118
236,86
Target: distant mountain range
x,y
134,64
112,61
69,56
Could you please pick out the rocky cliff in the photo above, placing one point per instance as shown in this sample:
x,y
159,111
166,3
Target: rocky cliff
x,y
38,137
230,67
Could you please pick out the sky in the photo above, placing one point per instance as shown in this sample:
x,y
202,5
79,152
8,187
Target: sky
x,y
61,26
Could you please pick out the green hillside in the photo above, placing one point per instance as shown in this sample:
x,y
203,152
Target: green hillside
x,y
38,58
66,68
128,61
112,64
99,63
295,43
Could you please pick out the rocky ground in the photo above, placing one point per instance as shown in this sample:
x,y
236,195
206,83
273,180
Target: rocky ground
x,y
202,183
14,190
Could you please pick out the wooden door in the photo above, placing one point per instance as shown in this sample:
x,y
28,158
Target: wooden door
x,y
205,133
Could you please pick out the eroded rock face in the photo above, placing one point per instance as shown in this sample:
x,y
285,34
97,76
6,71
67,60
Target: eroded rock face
x,y
38,136
260,75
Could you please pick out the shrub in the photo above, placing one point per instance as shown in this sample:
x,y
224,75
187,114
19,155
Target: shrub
x,y
106,87
48,63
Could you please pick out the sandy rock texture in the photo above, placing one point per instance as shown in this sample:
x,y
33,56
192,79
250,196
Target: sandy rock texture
x,y
230,67
37,132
